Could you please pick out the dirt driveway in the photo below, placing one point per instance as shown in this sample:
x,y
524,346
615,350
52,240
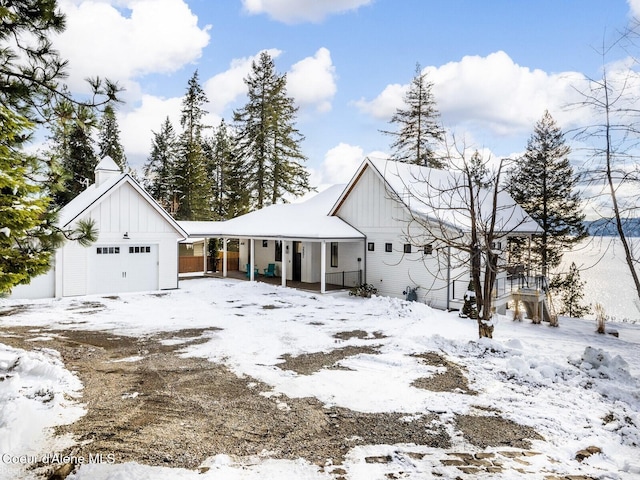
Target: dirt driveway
x,y
146,403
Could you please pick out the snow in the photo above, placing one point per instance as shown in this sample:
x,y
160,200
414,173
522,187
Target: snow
x,y
36,393
308,219
561,381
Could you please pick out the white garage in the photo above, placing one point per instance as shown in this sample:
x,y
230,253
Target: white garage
x,y
136,249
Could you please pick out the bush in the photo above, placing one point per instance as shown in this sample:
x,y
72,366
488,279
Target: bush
x,y
365,290
601,318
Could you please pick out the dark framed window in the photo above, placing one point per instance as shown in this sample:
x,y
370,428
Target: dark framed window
x,y
496,245
371,246
107,250
407,248
388,247
428,249
278,250
334,254
265,243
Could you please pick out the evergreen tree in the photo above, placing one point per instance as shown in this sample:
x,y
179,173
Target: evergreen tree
x,y
191,168
160,169
418,126
72,147
570,288
268,144
109,138
543,183
30,69
30,75
28,235
230,198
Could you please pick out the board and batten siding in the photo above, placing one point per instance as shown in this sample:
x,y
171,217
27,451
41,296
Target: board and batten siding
x,y
370,208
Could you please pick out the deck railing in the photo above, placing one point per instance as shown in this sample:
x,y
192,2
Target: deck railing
x,y
503,286
344,279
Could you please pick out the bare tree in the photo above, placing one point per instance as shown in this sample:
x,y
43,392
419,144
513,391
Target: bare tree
x,y
466,214
611,171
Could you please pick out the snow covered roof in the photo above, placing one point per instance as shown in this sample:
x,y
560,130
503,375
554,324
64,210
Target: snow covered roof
x,y
304,220
437,195
95,193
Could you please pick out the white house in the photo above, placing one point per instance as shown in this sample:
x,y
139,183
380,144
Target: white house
x,y
366,232
136,249
392,203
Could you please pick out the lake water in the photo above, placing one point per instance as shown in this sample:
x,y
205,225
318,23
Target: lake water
x,y
608,280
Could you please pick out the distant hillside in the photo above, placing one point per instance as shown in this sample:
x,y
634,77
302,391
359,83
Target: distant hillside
x,y
607,227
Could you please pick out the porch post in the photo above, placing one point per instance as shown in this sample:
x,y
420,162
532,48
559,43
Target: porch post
x,y
204,255
323,266
252,251
285,260
224,257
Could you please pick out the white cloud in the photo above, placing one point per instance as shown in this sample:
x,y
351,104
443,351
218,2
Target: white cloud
x,y
384,105
123,39
341,162
634,5
224,88
297,11
312,81
489,93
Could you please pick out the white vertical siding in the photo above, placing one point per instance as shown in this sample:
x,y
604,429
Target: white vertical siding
x,y
370,208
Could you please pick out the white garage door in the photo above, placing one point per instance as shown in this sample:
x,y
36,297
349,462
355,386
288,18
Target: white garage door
x,y
123,268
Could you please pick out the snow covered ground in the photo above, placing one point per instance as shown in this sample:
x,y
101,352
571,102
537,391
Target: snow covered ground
x,y
575,387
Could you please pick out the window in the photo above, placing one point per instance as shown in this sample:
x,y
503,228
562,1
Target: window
x,y
371,246
334,254
144,249
428,249
496,245
107,250
278,251
407,248
265,243
388,247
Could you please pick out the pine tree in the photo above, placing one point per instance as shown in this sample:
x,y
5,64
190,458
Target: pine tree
x,y
570,288
72,144
160,169
26,245
543,183
191,168
268,143
229,196
109,138
418,126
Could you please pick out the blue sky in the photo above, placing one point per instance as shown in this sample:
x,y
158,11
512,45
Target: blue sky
x,y
496,65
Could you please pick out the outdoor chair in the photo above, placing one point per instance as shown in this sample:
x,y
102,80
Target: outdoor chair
x,y
256,272
270,271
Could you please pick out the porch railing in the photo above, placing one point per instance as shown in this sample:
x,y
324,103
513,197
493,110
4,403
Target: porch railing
x,y
344,279
503,285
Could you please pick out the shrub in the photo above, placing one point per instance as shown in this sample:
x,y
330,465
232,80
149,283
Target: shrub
x,y
365,290
601,317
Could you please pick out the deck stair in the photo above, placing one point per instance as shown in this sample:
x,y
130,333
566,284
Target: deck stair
x,y
537,304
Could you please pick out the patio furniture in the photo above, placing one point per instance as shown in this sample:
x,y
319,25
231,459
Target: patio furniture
x,y
256,271
270,271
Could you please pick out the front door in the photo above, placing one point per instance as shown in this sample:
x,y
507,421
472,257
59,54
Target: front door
x,y
297,262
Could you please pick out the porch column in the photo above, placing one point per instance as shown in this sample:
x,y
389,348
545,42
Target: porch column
x,y
204,255
323,266
252,254
285,260
224,257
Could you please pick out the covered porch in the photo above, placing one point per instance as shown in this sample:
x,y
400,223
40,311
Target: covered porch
x,y
291,244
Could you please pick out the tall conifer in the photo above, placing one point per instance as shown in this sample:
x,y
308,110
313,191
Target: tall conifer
x,y
268,142
109,138
191,169
160,169
544,184
418,125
